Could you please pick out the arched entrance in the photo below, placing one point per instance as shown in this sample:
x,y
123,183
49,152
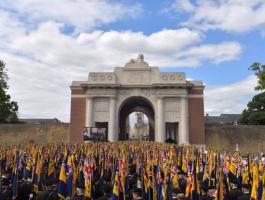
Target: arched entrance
x,y
136,104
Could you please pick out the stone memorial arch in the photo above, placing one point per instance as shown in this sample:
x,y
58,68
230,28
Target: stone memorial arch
x,y
174,106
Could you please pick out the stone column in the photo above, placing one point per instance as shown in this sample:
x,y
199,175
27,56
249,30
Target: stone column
x,y
112,121
89,112
160,129
184,121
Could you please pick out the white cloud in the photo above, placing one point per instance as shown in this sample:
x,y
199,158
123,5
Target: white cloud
x,y
216,53
230,98
82,14
227,15
49,45
41,90
10,27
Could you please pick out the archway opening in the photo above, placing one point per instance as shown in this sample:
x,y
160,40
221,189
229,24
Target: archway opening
x,y
145,111
137,126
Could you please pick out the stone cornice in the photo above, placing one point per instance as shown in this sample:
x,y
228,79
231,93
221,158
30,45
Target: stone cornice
x,y
119,86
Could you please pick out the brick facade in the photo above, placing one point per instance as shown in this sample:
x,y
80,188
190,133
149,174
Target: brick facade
x,y
78,108
196,117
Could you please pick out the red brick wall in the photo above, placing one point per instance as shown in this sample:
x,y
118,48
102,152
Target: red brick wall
x,y
77,121
196,118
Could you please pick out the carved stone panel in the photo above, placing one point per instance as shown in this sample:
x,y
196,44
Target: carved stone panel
x,y
134,77
169,77
102,78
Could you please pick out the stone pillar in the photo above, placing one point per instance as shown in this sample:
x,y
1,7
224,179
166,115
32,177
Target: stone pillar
x,y
184,121
89,112
160,129
112,120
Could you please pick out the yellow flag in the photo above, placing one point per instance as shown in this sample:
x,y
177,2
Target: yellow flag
x,y
116,185
62,176
245,177
88,170
232,168
175,180
255,181
87,188
184,167
145,183
263,183
51,168
188,187
220,188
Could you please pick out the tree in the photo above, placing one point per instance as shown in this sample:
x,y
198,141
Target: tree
x,y
8,108
259,70
255,112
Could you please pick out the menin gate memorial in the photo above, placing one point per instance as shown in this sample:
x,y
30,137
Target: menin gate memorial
x,y
174,106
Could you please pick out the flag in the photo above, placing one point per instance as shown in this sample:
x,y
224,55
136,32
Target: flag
x,y
195,189
15,180
263,188
61,186
88,178
75,175
37,174
150,183
255,182
245,176
115,195
175,181
184,166
145,183
69,181
159,185
122,178
205,177
27,170
51,168
188,186
220,187
259,191
232,168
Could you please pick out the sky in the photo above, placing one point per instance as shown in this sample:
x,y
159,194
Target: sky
x,y
48,45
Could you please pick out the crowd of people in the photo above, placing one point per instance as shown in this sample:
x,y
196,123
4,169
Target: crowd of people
x,y
129,170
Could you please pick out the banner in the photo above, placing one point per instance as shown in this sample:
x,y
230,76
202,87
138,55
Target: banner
x,y
95,134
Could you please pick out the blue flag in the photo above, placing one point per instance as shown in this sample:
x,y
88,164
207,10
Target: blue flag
x,y
61,186
69,181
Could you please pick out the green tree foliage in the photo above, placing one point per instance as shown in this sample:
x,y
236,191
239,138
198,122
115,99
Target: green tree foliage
x,y
259,70
255,112
8,108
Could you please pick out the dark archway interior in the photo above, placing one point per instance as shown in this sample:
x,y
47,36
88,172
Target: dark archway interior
x,y
135,104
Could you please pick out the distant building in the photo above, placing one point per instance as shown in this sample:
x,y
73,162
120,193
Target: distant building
x,y
40,121
225,119
140,129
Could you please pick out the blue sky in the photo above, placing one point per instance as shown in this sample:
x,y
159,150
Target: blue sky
x,y
46,46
